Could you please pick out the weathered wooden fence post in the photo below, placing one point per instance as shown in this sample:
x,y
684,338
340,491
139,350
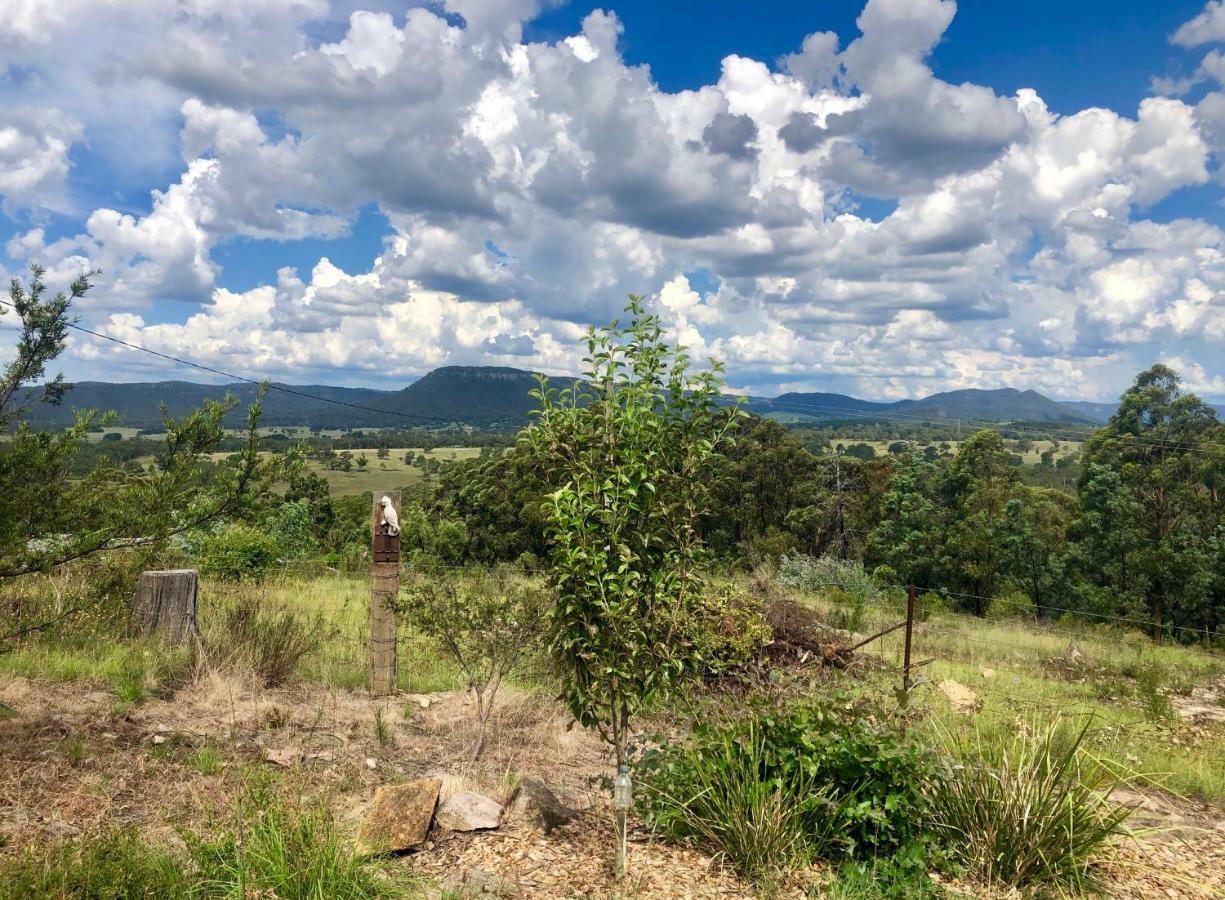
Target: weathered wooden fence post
x,y
910,598
384,585
165,605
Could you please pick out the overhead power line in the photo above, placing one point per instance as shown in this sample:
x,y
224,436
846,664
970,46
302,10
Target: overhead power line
x,y
271,385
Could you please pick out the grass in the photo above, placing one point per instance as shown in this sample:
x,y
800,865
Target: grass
x,y
341,657
1029,809
283,850
275,849
206,760
1125,689
133,670
729,800
116,864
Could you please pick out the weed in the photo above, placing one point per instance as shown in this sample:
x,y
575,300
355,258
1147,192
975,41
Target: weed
x,y
901,877
1151,680
382,728
75,752
270,638
7,712
206,760
1027,809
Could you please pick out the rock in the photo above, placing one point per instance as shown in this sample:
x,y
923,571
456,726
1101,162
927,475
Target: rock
x,y
284,758
371,762
1076,658
536,806
399,817
480,882
1132,800
988,673
159,738
959,695
62,829
468,811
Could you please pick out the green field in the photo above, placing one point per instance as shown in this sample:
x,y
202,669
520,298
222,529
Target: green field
x,y
383,474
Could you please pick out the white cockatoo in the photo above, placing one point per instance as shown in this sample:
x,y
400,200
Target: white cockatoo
x,y
391,518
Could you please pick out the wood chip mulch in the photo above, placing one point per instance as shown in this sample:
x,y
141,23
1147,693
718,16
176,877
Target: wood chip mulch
x,y
575,861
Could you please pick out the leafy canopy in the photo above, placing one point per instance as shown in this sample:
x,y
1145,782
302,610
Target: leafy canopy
x,y
625,454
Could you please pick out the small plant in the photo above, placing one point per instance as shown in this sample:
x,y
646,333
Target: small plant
x,y
1151,680
1027,808
75,752
855,783
724,795
7,712
205,760
486,624
382,728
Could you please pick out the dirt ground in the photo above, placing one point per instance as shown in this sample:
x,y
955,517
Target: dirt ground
x,y
72,763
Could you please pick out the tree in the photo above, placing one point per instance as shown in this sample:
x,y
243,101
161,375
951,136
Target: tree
x,y
907,537
980,483
1165,448
48,520
623,454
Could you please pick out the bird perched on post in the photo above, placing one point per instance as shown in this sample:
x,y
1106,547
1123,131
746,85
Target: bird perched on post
x,y
390,518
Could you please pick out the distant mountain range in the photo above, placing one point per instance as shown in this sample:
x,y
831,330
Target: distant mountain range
x,y
489,396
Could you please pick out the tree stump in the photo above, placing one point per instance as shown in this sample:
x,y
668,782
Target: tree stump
x,y
165,605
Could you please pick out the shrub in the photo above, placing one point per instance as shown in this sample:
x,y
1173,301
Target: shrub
x,y
1027,807
729,631
844,580
488,624
270,639
239,552
863,778
109,866
722,793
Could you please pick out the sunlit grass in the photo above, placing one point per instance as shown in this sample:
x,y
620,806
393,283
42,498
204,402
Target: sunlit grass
x,y
1008,664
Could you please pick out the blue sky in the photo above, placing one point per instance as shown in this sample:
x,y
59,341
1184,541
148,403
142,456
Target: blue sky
x,y
885,198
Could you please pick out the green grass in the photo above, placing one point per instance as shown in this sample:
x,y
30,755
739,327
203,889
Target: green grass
x,y
277,849
1028,808
111,866
133,670
206,760
1123,692
342,658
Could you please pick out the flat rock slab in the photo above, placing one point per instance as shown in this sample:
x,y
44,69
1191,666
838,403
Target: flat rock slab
x,y
399,816
536,806
468,811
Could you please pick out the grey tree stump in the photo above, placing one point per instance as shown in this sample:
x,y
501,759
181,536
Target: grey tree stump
x,y
165,605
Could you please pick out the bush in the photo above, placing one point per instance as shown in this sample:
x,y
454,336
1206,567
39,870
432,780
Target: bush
x,y
1028,807
114,865
861,780
724,795
270,639
843,580
729,632
238,552
488,624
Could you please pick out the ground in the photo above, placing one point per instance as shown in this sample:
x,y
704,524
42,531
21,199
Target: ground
x,y
81,749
